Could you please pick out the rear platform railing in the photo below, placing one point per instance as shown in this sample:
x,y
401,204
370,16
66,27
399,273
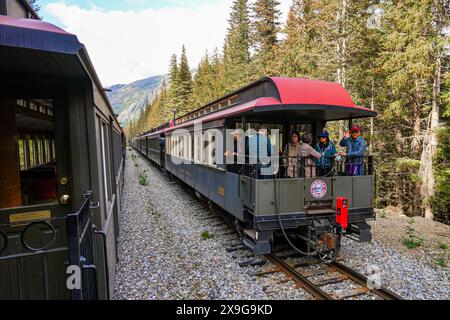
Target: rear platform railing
x,y
302,167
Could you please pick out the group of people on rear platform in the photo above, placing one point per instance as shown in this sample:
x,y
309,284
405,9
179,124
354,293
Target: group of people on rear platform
x,y
302,160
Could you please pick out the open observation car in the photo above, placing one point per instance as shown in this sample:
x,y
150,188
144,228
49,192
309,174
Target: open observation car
x,y
313,208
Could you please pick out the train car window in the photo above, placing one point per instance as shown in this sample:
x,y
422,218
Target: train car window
x,y
233,100
47,150
33,106
53,151
31,153
22,103
28,172
22,153
39,151
106,162
197,147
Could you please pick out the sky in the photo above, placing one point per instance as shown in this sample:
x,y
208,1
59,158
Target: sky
x,y
129,40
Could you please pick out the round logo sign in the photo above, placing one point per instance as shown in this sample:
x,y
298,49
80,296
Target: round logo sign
x,y
318,189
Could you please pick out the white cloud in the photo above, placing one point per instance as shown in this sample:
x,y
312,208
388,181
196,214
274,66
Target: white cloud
x,y
129,45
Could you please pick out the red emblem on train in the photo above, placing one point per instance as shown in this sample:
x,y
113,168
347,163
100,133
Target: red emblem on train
x,y
318,189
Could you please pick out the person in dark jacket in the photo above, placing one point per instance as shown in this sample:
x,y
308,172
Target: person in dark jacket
x,y
356,147
328,151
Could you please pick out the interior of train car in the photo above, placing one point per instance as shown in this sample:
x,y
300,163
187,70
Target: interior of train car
x,y
28,172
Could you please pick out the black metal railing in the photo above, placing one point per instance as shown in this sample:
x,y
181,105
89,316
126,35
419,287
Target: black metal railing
x,y
38,241
82,249
302,167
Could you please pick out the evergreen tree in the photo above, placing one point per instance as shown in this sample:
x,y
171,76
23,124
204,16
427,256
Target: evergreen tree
x,y
237,46
407,62
173,83
265,36
184,85
202,88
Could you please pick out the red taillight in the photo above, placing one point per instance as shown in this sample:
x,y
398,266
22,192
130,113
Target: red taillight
x,y
342,212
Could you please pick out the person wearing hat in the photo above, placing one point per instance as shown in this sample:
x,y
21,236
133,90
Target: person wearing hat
x,y
328,151
356,147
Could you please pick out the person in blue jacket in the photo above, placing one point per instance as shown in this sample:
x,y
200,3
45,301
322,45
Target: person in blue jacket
x,y
356,147
259,151
328,151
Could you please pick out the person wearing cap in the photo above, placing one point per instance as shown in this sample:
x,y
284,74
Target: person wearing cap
x,y
356,147
328,151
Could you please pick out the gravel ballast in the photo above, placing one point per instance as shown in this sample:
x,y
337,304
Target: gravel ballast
x,y
172,247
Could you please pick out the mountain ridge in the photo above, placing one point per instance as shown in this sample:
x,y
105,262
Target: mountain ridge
x,y
129,100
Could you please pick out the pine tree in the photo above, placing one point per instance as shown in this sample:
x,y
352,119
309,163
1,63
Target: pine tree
x,y
265,36
296,59
407,60
237,46
173,83
184,85
202,88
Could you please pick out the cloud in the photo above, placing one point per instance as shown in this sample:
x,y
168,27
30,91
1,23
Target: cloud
x,y
127,45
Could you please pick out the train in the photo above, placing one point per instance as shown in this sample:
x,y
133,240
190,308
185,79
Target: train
x,y
311,211
62,167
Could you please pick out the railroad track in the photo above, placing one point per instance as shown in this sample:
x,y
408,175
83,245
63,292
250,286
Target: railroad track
x,y
302,280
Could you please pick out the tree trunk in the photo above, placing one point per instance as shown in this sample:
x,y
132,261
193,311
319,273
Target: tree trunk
x,y
426,170
341,18
398,144
372,107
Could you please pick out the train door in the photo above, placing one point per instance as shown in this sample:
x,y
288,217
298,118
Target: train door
x,y
35,193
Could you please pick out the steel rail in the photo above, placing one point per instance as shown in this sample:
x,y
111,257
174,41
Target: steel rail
x,y
384,293
314,290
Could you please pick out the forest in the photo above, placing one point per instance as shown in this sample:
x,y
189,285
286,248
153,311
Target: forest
x,y
392,56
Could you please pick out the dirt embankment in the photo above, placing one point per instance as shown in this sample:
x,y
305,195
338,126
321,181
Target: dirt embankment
x,y
392,228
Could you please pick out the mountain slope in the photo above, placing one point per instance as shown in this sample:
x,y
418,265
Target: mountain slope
x,y
128,100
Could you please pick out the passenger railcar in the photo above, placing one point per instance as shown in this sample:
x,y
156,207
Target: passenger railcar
x,y
267,206
61,173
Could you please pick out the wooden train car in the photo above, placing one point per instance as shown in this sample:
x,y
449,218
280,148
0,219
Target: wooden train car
x,y
61,173
268,205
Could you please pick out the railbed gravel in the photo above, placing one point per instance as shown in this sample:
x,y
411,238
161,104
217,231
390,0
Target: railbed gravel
x,y
162,254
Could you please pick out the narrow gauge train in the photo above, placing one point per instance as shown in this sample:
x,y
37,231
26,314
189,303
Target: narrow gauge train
x,y
61,170
315,211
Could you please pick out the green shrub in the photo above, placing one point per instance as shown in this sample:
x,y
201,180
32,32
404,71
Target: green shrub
x,y
143,180
441,261
206,235
412,240
442,245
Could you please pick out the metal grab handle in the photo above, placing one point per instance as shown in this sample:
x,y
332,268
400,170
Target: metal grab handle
x,y
93,268
103,235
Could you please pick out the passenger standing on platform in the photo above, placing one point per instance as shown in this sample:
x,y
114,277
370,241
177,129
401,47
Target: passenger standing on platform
x,y
307,152
328,151
356,147
290,154
259,150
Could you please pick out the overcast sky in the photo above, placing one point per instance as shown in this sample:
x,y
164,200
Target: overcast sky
x,y
132,39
